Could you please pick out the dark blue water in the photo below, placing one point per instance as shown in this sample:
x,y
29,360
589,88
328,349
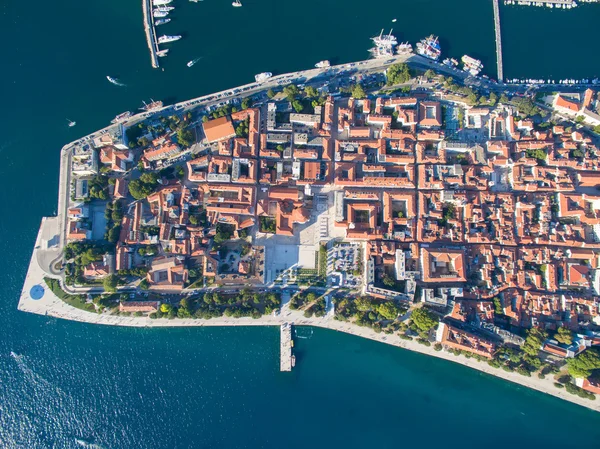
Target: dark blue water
x,y
131,388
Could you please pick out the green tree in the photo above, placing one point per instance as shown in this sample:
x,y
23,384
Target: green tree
x,y
114,234
429,74
564,335
525,106
398,74
424,319
185,137
310,92
363,304
583,364
110,283
472,98
291,92
144,186
389,310
297,105
246,103
388,280
88,256
534,341
166,308
358,92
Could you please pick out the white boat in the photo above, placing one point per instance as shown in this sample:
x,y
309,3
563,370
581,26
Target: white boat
x,y
164,8
121,117
166,39
262,77
162,53
193,61
384,45
161,21
322,64
115,81
71,123
237,4
450,62
405,48
156,13
472,65
161,2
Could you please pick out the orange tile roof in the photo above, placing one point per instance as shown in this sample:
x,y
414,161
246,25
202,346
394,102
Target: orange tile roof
x,y
218,129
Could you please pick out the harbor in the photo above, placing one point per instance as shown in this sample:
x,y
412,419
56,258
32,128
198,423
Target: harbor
x,y
288,360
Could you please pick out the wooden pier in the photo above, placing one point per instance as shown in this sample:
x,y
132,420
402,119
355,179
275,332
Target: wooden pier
x,y
150,32
287,357
498,40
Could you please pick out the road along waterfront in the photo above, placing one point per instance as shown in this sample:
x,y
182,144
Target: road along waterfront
x,y
51,305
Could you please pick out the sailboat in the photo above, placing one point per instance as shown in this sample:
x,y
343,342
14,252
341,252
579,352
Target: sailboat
x,y
236,4
71,123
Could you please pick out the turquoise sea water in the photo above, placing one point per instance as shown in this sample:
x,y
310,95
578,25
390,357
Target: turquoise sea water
x,y
127,388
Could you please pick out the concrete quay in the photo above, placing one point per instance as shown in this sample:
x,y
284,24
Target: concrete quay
x,y
286,356
150,32
498,40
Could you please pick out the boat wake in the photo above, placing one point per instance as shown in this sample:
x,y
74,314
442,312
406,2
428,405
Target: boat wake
x,y
193,61
87,444
115,81
22,364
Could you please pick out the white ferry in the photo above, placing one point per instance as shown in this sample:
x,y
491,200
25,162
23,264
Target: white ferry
x,y
429,47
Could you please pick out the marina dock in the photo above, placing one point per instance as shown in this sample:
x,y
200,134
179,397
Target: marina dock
x,y
287,358
498,41
150,32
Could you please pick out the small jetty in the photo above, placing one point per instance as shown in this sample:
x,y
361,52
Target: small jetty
x,y
150,32
498,41
288,360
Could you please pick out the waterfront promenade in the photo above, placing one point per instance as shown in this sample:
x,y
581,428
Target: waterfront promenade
x,y
51,306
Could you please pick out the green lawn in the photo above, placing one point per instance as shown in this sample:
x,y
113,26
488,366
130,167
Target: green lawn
x,y
77,301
